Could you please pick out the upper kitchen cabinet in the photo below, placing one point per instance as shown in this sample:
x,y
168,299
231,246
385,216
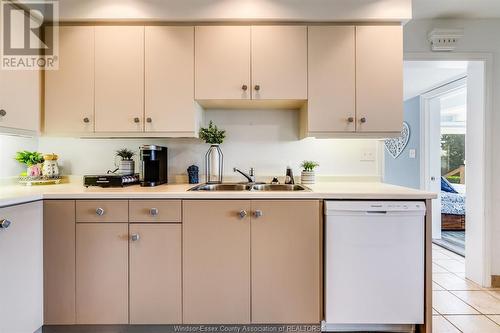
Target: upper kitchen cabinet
x,y
355,81
279,62
169,81
379,79
238,63
69,91
332,86
119,78
19,97
222,62
19,100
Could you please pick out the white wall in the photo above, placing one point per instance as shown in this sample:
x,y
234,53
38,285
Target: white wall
x,y
221,10
264,139
479,36
9,145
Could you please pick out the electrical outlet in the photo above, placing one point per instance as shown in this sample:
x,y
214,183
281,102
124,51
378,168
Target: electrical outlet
x,y
368,156
412,153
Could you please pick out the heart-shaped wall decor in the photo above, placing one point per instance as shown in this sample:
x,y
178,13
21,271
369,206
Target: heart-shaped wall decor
x,y
395,146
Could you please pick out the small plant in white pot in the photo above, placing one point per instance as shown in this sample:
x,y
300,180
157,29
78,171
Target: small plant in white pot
x,y
308,174
127,165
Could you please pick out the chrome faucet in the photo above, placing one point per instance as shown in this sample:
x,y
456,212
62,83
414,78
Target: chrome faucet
x,y
250,176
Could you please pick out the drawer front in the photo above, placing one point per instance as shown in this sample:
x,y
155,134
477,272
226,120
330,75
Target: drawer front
x,y
155,211
102,211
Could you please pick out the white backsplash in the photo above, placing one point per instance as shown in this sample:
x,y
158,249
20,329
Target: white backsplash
x,y
9,145
264,139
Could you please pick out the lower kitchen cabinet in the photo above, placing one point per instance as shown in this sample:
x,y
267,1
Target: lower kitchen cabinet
x,y
155,274
21,268
253,261
286,261
102,273
216,261
59,262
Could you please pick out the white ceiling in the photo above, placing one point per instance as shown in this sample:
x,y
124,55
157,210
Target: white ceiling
x,y
456,9
422,76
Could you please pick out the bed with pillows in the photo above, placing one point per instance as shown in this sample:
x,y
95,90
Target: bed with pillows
x,y
452,207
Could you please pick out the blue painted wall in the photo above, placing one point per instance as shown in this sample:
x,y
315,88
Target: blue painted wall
x,y
405,171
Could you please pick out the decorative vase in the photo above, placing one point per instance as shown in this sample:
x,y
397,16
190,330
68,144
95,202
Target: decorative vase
x,y
127,167
34,170
308,177
50,167
214,164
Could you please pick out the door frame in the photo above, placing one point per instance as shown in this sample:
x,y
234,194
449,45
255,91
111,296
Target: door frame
x,y
483,237
427,132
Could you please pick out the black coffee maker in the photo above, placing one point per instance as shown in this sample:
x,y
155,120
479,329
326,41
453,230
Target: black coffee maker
x,y
153,165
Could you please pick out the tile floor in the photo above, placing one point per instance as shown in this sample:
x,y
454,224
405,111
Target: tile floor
x,y
460,305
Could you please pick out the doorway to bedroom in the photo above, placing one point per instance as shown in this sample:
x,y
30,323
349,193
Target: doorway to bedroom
x,y
445,134
443,150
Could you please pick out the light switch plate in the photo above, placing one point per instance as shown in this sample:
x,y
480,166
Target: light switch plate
x,y
412,153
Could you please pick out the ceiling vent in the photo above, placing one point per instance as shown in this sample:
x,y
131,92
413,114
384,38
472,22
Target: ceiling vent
x,y
445,39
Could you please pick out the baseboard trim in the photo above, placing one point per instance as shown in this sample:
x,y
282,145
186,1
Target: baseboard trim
x,y
495,281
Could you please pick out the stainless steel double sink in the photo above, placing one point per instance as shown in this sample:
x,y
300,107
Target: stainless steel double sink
x,y
258,187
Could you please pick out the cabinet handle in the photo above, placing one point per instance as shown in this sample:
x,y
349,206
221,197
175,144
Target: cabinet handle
x,y
148,120
153,211
257,213
244,87
3,113
350,119
86,120
4,224
99,211
135,237
363,120
242,214
257,87
136,120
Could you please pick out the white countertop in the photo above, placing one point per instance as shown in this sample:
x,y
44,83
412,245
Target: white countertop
x,y
16,194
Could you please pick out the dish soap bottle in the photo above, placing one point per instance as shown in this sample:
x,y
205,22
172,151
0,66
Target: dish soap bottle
x,y
289,176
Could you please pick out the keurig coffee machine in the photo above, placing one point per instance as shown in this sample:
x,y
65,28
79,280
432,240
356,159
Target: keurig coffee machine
x,y
153,165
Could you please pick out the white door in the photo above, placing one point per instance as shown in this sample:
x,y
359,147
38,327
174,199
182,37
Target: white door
x,y
434,175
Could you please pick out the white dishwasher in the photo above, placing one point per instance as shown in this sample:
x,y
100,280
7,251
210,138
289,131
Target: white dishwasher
x,y
374,265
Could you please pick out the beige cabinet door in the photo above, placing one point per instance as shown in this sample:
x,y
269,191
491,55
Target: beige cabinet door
x,y
379,78
21,269
279,62
155,274
19,95
286,261
216,261
119,78
102,273
20,100
222,62
169,80
59,262
331,105
69,91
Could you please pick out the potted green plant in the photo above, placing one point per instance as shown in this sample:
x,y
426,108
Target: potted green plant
x,y
214,159
33,161
308,175
127,165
